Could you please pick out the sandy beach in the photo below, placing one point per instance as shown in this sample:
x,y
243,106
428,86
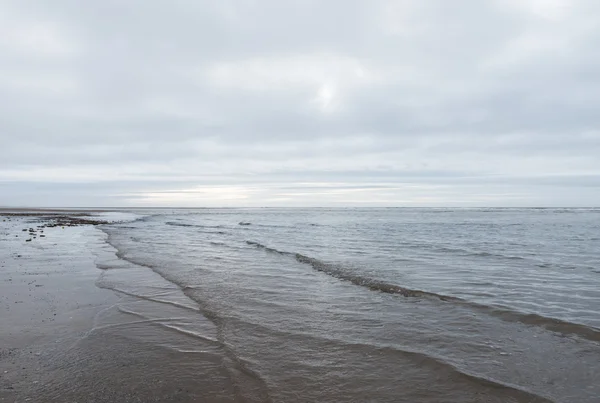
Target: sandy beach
x,y
65,339
48,302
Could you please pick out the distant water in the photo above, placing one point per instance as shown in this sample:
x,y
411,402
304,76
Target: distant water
x,y
381,305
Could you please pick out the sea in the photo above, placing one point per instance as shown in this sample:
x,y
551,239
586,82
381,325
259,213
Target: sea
x,y
367,304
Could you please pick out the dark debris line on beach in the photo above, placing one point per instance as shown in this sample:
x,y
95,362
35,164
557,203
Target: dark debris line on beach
x,y
51,221
59,220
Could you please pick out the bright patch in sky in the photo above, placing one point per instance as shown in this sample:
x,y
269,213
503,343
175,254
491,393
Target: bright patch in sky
x,y
289,103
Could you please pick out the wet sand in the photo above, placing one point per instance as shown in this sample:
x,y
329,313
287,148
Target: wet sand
x,y
64,339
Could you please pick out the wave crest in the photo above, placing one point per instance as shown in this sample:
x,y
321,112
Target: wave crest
x,y
340,273
530,319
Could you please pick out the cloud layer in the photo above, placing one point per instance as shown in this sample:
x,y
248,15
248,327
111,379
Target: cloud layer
x,y
300,103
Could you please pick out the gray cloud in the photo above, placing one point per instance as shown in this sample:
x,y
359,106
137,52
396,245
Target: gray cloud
x,y
242,102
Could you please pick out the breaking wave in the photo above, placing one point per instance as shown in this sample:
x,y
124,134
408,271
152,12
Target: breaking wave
x,y
532,319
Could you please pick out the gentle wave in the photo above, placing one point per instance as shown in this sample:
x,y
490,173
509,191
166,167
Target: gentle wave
x,y
142,218
531,319
338,272
464,252
372,284
149,298
164,322
421,357
179,224
272,250
514,390
237,367
205,229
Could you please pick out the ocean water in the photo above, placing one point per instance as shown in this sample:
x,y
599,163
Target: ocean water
x,y
369,305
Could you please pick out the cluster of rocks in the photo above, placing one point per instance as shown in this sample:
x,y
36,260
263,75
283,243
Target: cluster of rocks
x,y
52,221
33,233
71,221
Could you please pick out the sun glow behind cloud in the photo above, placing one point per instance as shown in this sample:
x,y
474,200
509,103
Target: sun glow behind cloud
x,y
300,103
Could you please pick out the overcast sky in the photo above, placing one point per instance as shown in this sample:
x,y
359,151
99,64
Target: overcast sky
x,y
300,103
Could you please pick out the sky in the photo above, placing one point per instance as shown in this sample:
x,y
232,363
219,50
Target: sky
x,y
192,103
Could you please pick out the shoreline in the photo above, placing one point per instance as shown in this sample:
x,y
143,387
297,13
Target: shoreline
x,y
49,298
151,308
65,336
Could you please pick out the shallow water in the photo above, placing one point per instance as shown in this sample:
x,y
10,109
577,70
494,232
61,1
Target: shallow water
x,y
428,305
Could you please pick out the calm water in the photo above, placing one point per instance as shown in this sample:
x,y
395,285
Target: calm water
x,y
382,305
